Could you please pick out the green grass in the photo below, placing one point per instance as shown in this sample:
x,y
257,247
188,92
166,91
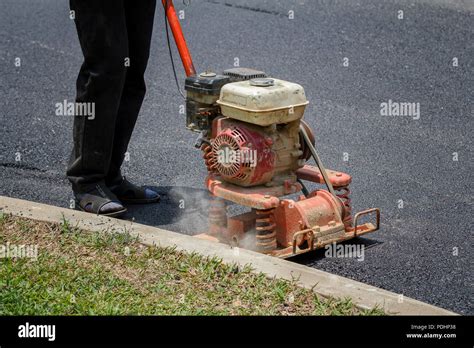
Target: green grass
x,y
86,273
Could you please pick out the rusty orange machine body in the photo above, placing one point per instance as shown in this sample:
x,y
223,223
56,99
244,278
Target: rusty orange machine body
x,y
255,145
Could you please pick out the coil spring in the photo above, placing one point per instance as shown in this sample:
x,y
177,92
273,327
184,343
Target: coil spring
x,y
343,193
208,157
217,216
266,233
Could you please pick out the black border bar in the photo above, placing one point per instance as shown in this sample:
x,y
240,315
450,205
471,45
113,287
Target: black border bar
x,y
292,331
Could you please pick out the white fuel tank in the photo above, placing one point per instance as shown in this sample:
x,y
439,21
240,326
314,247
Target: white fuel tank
x,y
263,101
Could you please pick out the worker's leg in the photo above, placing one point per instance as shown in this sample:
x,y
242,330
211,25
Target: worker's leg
x,y
102,32
139,17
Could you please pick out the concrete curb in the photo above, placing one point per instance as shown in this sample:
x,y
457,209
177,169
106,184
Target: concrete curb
x,y
325,284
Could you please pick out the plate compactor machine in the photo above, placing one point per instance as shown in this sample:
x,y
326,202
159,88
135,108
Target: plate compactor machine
x,y
255,144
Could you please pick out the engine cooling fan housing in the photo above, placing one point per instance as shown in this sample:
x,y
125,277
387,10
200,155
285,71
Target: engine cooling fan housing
x,y
243,156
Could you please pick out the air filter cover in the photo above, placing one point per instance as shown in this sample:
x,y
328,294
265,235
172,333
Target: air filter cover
x,y
242,74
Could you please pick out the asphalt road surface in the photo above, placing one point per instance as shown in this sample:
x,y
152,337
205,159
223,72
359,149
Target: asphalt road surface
x,y
418,171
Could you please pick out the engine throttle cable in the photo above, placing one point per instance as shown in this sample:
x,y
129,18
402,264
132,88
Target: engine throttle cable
x,y
171,52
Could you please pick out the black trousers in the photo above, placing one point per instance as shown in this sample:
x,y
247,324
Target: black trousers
x,y
115,38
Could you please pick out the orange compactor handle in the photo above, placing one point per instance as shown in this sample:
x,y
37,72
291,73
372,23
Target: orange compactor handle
x,y
175,26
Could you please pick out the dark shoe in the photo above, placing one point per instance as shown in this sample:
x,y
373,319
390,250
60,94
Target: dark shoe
x,y
101,201
133,194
